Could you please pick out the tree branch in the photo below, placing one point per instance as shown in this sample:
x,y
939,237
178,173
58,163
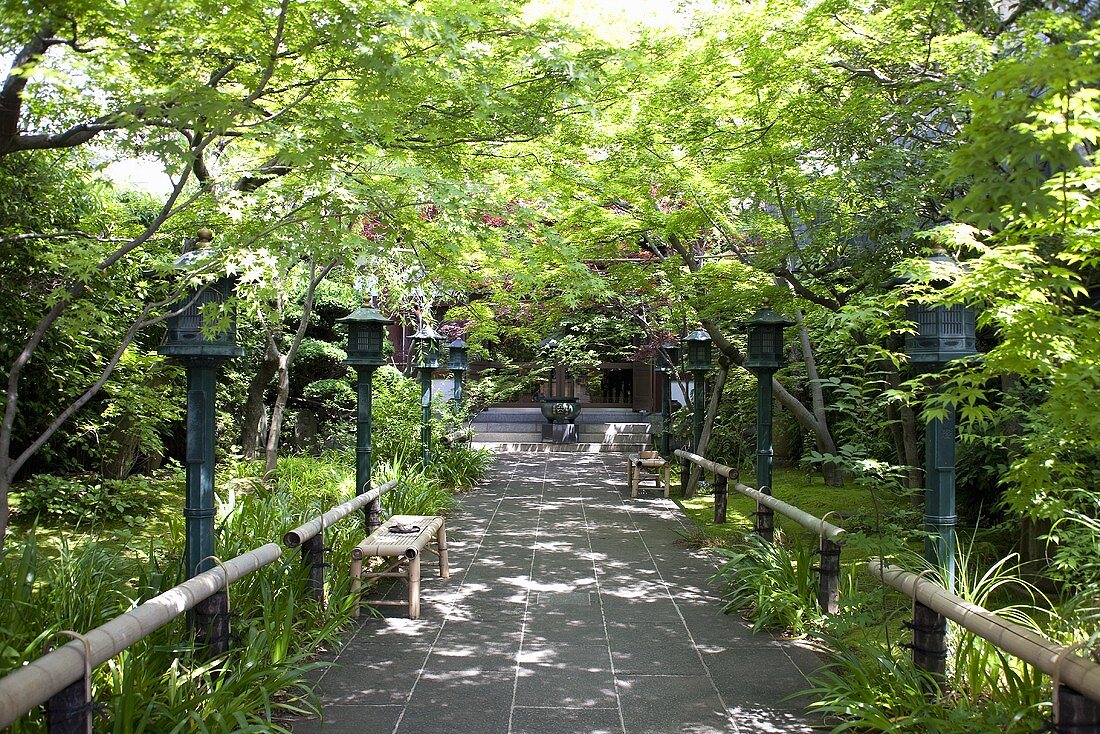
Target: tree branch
x,y
59,236
798,287
11,94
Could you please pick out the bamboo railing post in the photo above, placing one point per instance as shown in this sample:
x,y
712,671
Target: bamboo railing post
x,y
929,641
212,624
765,519
721,495
1075,713
828,582
374,516
313,557
70,711
212,616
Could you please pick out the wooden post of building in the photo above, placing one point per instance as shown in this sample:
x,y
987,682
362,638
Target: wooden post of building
x,y
765,519
828,583
929,641
721,494
313,556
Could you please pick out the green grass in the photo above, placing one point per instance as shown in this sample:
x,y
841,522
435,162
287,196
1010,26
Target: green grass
x,y
852,506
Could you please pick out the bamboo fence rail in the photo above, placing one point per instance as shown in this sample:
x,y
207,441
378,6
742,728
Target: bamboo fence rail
x,y
304,532
38,680
814,524
1053,659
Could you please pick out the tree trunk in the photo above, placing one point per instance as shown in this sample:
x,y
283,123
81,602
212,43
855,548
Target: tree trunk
x,y
254,422
903,431
708,425
5,509
834,475
275,428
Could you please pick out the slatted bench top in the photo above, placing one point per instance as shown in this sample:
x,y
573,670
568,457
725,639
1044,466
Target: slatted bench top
x,y
385,542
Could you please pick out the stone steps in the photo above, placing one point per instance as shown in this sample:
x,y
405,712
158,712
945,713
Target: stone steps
x,y
540,447
521,429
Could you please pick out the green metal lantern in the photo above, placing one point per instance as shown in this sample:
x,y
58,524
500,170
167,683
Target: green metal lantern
x,y
427,342
366,336
943,333
186,335
765,331
201,351
459,356
698,351
668,357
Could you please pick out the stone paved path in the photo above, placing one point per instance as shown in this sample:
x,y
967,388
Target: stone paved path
x,y
571,608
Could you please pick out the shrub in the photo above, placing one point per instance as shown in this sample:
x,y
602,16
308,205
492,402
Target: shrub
x,y
317,360
87,499
336,399
396,417
460,466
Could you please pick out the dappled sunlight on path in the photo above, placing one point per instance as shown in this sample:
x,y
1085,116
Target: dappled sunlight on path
x,y
570,608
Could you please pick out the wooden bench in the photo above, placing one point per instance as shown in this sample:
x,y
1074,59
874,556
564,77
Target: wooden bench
x,y
405,548
647,461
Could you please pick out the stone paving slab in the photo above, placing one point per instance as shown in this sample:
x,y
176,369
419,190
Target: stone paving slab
x,y
571,609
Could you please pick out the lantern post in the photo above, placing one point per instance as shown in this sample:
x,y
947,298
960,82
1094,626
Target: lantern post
x,y
458,363
942,333
765,356
668,357
366,342
201,352
426,343
698,362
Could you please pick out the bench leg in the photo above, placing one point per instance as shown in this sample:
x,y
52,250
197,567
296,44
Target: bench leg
x,y
414,587
356,584
441,546
635,481
668,479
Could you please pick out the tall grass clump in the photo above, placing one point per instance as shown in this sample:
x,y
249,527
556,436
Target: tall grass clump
x,y
772,584
163,684
417,491
869,686
870,683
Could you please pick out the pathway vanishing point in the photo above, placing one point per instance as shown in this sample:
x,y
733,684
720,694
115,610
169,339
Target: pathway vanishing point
x,y
571,609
